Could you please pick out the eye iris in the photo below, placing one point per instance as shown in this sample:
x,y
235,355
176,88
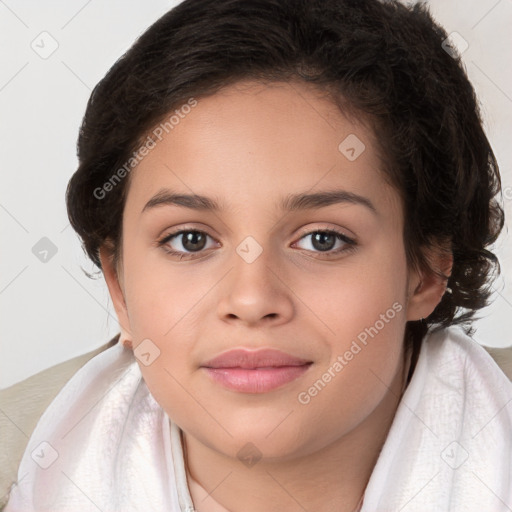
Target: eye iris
x,y
191,239
323,241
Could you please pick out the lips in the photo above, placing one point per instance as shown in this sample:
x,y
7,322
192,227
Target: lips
x,y
250,371
248,359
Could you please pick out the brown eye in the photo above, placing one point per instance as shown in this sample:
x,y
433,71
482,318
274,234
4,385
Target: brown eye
x,y
185,242
193,240
323,241
327,241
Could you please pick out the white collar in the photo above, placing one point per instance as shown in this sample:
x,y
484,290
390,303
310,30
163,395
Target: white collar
x,y
184,498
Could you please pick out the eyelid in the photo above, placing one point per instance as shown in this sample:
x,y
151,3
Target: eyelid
x,y
341,231
303,231
349,240
172,234
349,243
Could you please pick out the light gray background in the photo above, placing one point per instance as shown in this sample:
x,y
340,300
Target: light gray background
x,y
50,311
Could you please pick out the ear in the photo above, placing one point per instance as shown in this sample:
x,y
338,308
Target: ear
x,y
116,292
426,288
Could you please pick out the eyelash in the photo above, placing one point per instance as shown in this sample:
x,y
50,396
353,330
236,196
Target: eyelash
x,y
350,244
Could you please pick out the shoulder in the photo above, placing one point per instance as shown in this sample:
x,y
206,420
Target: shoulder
x,y
453,342
21,406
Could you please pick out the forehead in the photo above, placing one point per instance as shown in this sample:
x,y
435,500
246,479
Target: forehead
x,y
252,143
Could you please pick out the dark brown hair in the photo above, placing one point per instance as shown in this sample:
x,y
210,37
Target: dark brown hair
x,y
383,60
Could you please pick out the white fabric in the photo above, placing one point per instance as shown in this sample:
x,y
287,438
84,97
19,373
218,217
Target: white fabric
x,y
450,444
449,448
113,445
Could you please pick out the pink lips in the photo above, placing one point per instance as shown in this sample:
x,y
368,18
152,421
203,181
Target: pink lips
x,y
258,371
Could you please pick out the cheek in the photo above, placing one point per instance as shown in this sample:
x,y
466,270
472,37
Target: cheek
x,y
353,298
366,350
165,305
365,312
161,296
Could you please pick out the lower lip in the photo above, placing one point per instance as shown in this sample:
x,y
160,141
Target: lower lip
x,y
257,380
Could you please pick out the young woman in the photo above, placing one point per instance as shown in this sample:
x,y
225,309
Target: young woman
x,y
291,203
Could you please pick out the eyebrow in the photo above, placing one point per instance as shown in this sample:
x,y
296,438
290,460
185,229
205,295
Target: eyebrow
x,y
292,202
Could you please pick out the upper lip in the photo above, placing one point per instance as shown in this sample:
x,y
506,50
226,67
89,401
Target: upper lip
x,y
251,359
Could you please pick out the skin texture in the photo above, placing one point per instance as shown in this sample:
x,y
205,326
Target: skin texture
x,y
248,147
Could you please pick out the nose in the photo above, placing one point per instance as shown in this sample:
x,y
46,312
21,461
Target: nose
x,y
256,293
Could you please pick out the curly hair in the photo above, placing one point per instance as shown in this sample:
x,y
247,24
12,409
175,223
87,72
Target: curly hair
x,y
381,61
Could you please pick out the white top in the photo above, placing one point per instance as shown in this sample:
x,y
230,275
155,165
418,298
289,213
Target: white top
x,y
105,444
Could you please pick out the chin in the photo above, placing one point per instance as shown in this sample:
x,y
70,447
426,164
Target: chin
x,y
272,441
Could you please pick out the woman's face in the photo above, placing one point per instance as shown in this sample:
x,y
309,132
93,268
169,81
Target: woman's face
x,y
296,247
